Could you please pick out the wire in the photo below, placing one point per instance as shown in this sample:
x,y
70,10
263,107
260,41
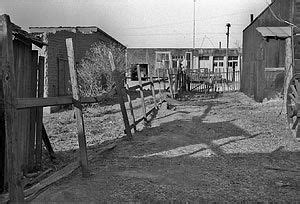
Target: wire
x,y
278,18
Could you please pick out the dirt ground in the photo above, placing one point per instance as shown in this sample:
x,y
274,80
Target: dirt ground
x,y
229,148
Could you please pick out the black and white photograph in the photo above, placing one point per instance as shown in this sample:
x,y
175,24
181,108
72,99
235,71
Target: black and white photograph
x,y
148,101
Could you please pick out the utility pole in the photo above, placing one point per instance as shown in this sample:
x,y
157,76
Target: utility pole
x,y
194,27
194,33
226,61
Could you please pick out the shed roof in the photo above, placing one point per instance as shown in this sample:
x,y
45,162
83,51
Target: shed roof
x,y
82,29
280,32
23,36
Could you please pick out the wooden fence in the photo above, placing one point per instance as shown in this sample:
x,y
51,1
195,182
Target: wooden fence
x,y
13,104
140,87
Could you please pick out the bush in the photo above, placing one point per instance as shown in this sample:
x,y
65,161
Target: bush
x,y
94,71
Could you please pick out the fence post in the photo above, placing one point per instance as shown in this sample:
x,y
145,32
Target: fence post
x,y
170,83
153,89
159,86
39,124
164,74
142,93
131,108
78,110
120,92
15,188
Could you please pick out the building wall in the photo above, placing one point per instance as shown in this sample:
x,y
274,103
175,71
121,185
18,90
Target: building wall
x,y
148,56
259,54
56,65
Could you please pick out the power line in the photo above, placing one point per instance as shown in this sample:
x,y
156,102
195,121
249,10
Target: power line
x,y
184,22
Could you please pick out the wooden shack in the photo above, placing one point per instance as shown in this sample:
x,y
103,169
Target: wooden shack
x,y
27,70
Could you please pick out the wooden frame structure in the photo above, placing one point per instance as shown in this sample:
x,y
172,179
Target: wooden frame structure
x,y
13,104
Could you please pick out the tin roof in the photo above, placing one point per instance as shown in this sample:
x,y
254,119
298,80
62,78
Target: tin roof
x,y
23,36
280,32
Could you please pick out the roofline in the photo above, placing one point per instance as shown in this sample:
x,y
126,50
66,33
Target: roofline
x,y
259,15
98,29
181,48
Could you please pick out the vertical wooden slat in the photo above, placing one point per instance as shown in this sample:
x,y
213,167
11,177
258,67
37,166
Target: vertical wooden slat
x,y
118,79
153,89
31,139
131,108
39,113
78,110
142,93
164,74
170,83
9,88
159,86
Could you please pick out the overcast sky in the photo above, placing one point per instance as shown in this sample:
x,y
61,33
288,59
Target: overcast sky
x,y
143,23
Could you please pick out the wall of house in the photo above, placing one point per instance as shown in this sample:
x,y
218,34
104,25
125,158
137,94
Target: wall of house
x,y
148,56
259,54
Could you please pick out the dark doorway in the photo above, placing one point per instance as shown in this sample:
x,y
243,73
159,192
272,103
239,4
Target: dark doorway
x,y
144,72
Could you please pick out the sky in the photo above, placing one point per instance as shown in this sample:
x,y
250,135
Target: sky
x,y
143,23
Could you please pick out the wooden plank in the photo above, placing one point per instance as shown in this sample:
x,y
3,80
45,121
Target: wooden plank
x,y
159,86
142,93
120,92
32,134
153,90
78,110
170,83
9,90
39,114
131,108
23,103
47,142
33,191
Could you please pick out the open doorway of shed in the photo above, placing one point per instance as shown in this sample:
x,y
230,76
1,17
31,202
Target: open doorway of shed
x,y
144,72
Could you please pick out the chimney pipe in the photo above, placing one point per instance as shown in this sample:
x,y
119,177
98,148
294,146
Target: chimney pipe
x,y
251,18
220,45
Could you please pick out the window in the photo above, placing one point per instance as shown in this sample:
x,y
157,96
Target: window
x,y
163,59
204,58
218,58
232,57
221,64
215,64
188,57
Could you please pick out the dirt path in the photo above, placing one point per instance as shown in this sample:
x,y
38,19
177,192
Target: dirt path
x,y
224,149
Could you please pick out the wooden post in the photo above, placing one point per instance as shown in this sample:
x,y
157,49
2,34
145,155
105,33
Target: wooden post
x,y
15,188
33,116
131,108
78,110
120,92
142,93
39,122
170,83
164,74
159,86
153,89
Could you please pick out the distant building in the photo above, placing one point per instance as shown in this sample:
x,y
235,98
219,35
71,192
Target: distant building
x,y
212,59
267,49
56,65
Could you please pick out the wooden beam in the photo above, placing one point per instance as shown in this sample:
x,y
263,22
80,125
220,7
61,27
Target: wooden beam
x,y
23,103
170,83
9,91
78,110
39,122
47,142
153,90
131,108
142,93
120,92
159,86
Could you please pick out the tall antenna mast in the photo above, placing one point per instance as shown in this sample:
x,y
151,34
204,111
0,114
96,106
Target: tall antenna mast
x,y
194,27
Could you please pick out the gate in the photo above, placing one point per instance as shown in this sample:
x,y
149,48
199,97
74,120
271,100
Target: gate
x,y
203,81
